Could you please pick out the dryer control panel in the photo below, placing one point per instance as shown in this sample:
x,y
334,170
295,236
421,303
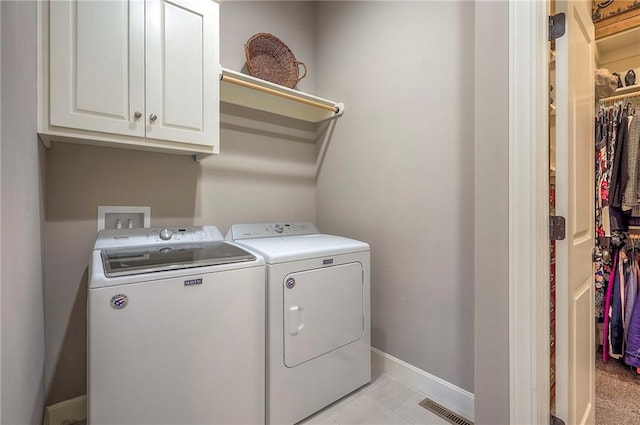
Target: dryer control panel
x,y
270,230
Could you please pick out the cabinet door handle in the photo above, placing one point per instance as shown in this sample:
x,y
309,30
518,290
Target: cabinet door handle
x,y
137,115
153,117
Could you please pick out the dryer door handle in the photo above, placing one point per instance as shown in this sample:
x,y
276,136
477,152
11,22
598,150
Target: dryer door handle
x,y
296,320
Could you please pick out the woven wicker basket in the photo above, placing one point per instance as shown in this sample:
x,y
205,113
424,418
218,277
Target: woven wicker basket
x,y
268,58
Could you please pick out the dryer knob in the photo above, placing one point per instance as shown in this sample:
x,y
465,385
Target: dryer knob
x,y
279,228
165,234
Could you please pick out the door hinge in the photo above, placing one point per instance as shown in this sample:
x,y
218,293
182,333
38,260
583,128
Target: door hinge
x,y
557,228
556,421
557,26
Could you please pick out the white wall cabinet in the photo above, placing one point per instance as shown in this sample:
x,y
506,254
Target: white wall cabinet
x,y
137,74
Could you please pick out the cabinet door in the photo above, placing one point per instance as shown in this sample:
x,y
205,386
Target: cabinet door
x,y
96,65
182,67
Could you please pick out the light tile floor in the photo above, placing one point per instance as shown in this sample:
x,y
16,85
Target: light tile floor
x,y
384,401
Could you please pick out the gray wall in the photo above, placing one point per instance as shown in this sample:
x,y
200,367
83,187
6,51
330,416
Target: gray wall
x,y
492,213
402,154
264,173
399,170
22,192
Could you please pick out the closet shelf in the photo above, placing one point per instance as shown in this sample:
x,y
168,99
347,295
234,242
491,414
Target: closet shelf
x,y
622,91
617,46
242,89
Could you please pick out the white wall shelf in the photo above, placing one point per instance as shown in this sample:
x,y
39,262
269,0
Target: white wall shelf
x,y
242,89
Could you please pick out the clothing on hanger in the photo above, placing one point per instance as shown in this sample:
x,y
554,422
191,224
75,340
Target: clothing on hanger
x,y
616,330
620,170
607,307
630,195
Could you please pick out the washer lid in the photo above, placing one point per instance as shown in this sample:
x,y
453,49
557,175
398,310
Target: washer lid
x,y
138,260
293,248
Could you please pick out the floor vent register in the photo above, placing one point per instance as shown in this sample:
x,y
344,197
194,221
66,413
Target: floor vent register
x,y
444,413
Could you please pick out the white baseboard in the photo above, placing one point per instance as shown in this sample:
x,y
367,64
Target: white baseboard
x,y
67,412
445,393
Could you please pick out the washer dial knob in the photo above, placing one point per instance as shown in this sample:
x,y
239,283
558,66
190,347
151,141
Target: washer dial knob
x,y
165,234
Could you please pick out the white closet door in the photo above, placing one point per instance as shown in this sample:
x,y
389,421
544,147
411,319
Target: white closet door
x,y
575,342
182,71
97,65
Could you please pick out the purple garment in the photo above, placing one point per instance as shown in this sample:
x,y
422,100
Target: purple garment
x,y
630,295
632,357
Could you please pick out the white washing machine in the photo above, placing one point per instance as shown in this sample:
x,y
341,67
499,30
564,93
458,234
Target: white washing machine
x,y
176,329
318,332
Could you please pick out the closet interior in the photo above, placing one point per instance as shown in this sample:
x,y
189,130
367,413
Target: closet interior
x,y
617,209
617,255
617,191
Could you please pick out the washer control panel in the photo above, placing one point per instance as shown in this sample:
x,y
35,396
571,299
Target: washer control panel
x,y
271,230
165,234
156,236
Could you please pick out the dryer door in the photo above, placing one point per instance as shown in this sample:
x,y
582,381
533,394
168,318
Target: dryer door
x,y
322,311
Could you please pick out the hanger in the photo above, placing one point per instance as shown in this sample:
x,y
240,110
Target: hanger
x,y
633,238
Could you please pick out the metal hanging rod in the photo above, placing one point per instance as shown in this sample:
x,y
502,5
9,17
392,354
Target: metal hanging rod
x,y
268,90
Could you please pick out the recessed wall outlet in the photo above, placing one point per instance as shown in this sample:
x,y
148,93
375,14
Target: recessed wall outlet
x,y
120,217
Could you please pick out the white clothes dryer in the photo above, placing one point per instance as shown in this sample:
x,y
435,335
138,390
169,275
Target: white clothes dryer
x,y
318,315
176,329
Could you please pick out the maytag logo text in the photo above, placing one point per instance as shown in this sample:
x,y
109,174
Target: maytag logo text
x,y
190,282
